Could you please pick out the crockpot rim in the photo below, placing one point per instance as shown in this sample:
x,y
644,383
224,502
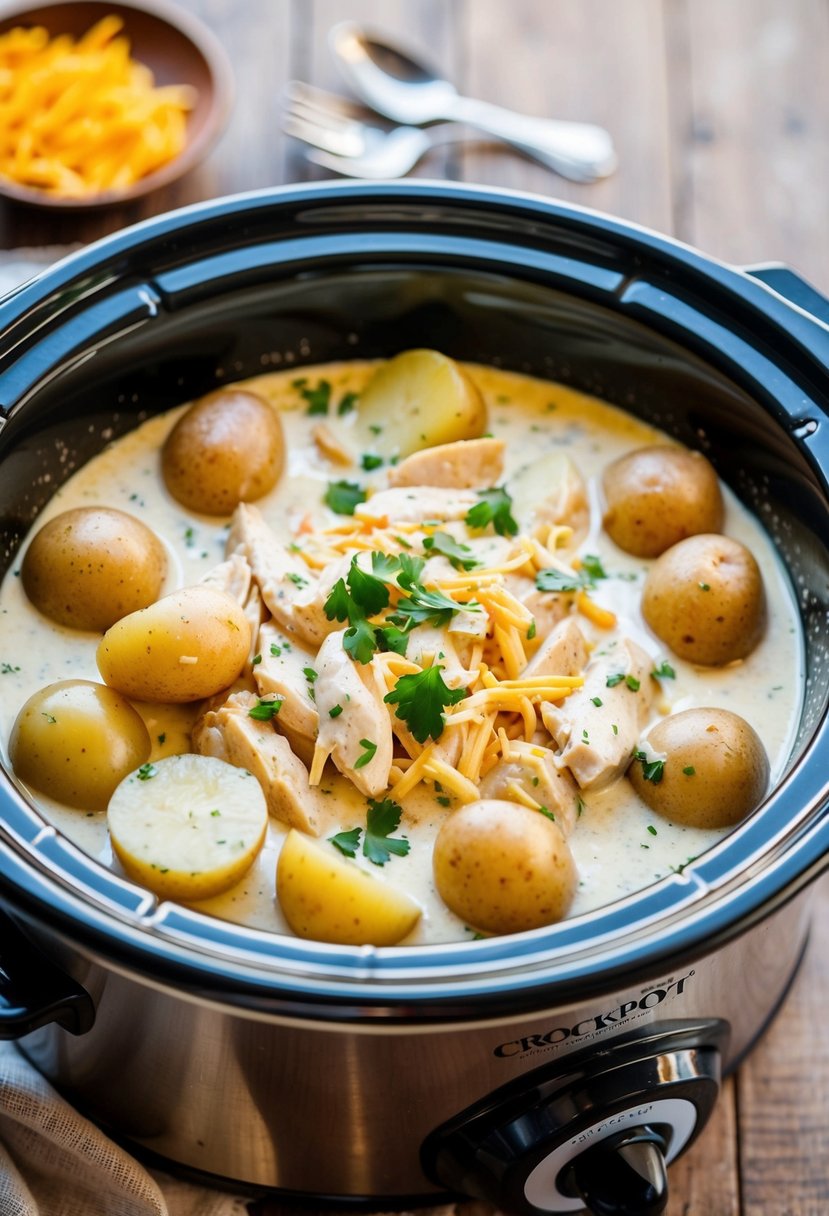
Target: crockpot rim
x,y
794,868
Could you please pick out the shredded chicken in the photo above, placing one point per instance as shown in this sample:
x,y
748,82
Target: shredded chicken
x,y
231,734
416,503
463,465
531,775
283,669
598,726
357,735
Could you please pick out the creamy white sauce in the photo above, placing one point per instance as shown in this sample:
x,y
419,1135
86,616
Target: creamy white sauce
x,y
619,845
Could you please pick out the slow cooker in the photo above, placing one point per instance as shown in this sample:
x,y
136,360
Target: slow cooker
x,y
547,1071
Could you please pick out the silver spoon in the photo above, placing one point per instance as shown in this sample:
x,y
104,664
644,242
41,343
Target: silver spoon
x,y
405,90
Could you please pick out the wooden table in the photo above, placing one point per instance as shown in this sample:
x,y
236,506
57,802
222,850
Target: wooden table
x,y
720,112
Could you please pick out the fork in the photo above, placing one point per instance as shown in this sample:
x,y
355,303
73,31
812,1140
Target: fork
x,y
347,138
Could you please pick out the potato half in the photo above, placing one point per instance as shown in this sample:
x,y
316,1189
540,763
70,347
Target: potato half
x,y
416,400
187,827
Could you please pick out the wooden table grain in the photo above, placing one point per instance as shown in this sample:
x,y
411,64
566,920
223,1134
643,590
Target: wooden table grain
x,y
720,113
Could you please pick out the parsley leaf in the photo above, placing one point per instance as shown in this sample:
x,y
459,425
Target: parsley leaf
x,y
411,569
368,592
459,555
347,403
421,607
652,770
664,671
360,642
420,699
369,749
553,579
340,606
381,820
265,710
146,771
318,398
592,567
347,842
344,496
370,460
493,508
384,565
390,638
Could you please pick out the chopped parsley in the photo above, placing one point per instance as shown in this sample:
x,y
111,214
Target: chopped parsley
x,y
343,496
592,567
597,701
704,586
8,669
360,641
370,460
367,756
552,579
347,403
146,771
276,651
256,660
335,711
265,711
689,770
664,671
459,555
531,630
318,397
630,681
494,507
652,830
420,699
347,842
378,843
297,579
423,607
652,770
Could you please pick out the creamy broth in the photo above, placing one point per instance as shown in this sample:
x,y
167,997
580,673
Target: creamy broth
x,y
618,844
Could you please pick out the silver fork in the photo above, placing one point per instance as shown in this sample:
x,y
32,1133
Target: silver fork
x,y
350,139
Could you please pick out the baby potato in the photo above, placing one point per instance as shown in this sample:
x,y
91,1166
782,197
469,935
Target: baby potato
x,y
715,771
75,740
186,646
704,598
187,827
502,867
416,400
330,899
658,495
226,449
88,567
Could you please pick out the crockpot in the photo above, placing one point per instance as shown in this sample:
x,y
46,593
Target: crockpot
x,y
547,1071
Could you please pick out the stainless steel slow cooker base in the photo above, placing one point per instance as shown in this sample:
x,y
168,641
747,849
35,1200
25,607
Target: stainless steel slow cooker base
x,y
356,1108
517,1069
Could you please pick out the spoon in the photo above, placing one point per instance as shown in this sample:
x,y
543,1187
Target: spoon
x,y
407,91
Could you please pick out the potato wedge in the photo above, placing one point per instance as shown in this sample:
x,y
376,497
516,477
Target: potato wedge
x,y
330,899
188,827
416,400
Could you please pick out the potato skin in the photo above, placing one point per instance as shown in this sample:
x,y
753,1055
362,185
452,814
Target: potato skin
x,y
187,645
419,399
88,567
658,495
704,598
226,449
75,740
716,771
503,868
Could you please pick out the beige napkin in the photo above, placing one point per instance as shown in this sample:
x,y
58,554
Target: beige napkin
x,y
53,1162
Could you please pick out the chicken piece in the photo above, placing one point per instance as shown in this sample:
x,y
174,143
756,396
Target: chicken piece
x,y
533,771
230,733
551,491
563,652
280,576
598,726
414,504
548,608
430,644
233,576
353,719
283,669
463,465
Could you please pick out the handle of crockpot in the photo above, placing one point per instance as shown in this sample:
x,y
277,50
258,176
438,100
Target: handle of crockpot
x,y
792,287
34,992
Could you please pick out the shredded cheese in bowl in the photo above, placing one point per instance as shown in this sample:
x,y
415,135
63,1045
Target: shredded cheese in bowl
x,y
80,117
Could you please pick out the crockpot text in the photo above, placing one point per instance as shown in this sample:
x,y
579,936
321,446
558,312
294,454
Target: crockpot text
x,y
592,1025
